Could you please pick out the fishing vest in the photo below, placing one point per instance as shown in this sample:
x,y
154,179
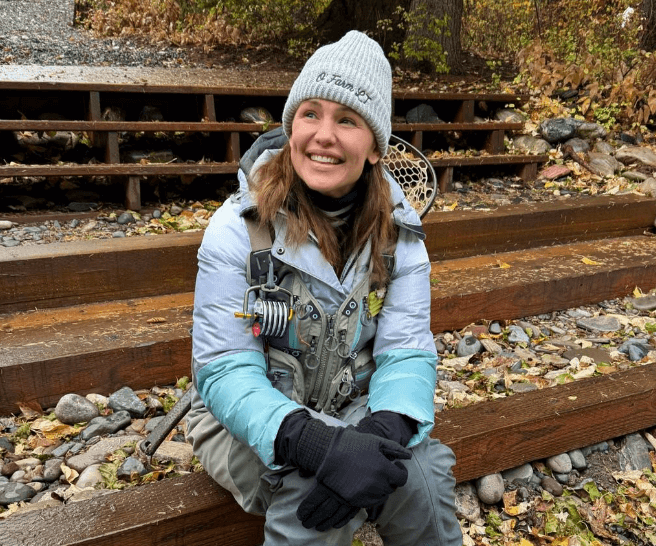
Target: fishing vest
x,y
316,359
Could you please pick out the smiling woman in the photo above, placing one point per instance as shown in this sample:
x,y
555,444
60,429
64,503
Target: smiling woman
x,y
333,375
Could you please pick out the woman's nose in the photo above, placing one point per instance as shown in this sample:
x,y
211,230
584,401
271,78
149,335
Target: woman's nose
x,y
326,131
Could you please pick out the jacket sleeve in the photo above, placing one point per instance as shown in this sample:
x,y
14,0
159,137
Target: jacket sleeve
x,y
229,364
404,349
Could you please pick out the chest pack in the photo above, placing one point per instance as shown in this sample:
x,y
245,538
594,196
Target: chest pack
x,y
317,358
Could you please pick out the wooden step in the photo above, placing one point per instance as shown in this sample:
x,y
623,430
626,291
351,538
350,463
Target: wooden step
x,y
539,280
63,274
486,438
97,347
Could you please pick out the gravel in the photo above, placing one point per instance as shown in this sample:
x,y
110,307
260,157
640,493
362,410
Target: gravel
x,y
41,32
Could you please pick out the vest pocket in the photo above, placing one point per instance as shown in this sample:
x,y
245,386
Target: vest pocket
x,y
286,375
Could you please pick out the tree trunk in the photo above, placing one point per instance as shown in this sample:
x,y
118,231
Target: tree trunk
x,y
449,40
343,15
648,40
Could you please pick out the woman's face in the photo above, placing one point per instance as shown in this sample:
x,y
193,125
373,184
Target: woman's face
x,y
329,144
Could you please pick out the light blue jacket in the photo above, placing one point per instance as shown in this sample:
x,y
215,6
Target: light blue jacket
x,y
228,361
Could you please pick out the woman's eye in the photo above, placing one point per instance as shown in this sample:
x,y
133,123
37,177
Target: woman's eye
x,y
310,114
348,121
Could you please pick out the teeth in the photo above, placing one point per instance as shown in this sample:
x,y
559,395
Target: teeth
x,y
324,159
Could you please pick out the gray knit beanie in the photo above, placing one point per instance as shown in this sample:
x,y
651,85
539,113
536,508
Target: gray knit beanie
x,y
353,72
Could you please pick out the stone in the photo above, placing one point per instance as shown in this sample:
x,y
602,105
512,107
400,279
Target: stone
x,y
490,488
645,303
15,492
175,210
596,354
73,408
61,450
467,503
153,422
97,399
603,148
468,345
523,387
52,469
578,459
157,213
118,235
178,452
495,328
509,115
424,113
591,131
648,187
126,400
531,145
579,145
603,165
558,129
601,323
89,477
521,473
639,154
561,464
6,444
554,172
5,224
552,486
76,206
130,466
634,454
635,176
105,425
98,452
126,218
517,335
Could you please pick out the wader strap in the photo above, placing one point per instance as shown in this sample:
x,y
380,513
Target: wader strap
x,y
260,235
259,257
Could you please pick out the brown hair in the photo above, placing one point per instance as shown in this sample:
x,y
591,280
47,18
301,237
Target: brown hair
x,y
278,187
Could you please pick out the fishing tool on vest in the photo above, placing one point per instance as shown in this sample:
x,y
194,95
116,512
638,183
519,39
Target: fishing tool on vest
x,y
270,316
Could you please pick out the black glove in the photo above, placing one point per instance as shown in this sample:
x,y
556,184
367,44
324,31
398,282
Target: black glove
x,y
353,470
390,425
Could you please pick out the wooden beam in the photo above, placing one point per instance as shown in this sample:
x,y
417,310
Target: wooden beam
x,y
124,169
467,233
486,437
56,275
530,282
93,348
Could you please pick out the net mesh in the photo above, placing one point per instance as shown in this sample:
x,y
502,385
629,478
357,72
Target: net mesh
x,y
412,174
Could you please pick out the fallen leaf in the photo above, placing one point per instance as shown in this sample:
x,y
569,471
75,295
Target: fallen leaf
x,y
502,265
588,261
156,320
69,474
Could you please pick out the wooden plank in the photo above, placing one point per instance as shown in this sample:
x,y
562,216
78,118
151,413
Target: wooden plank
x,y
209,110
133,193
56,275
538,280
465,161
98,140
500,434
465,111
457,126
494,142
183,511
121,169
486,438
513,227
133,126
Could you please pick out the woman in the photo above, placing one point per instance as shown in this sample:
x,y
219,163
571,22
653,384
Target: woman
x,y
312,312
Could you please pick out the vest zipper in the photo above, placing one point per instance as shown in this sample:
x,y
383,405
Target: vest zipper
x,y
323,362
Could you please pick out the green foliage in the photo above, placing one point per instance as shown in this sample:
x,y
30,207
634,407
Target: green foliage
x,y
182,383
422,33
650,327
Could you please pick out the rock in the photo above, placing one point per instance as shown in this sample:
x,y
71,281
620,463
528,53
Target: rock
x,y
76,206
554,172
635,348
645,303
126,400
98,452
648,187
558,129
634,454
508,115
531,145
639,154
591,131
105,425
15,492
5,224
599,324
495,328
523,387
52,469
598,355
178,452
635,176
62,449
118,234
468,345
6,444
130,466
157,213
552,486
490,488
73,408
153,422
521,473
579,145
467,503
175,210
578,459
89,477
126,218
603,148
28,463
603,165
423,113
561,464
97,399
517,335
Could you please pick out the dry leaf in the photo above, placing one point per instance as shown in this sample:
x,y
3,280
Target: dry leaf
x,y
156,320
503,265
69,474
588,261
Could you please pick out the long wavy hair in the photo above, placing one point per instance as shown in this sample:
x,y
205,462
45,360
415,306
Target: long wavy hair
x,y
277,187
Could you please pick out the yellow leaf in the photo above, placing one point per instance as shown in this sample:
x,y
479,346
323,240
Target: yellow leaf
x,y
637,293
503,265
69,474
588,261
452,206
52,429
572,398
